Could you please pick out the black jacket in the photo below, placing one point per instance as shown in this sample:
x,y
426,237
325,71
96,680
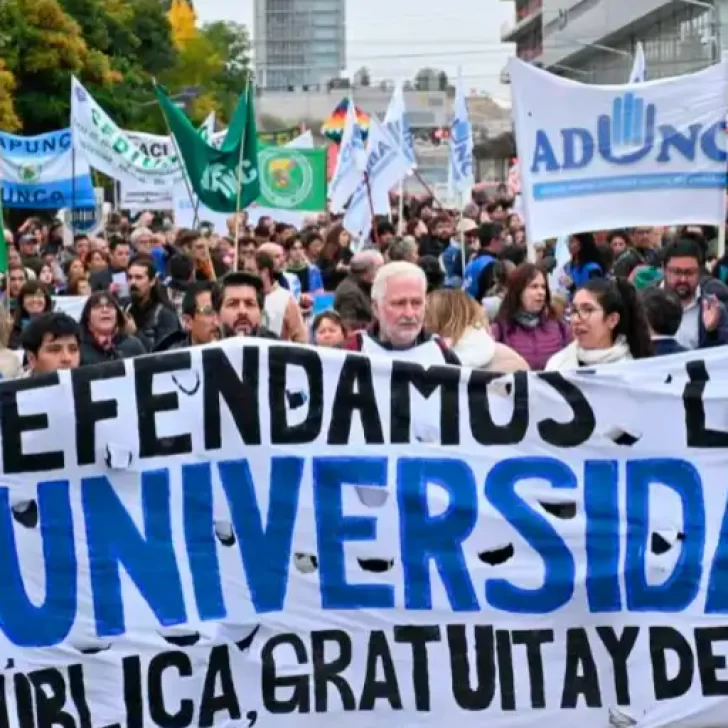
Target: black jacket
x,y
101,280
666,346
178,339
260,333
154,322
124,347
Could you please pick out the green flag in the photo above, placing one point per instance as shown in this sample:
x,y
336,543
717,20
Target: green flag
x,y
217,174
292,179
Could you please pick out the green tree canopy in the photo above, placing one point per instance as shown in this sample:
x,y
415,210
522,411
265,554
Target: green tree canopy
x,y
44,47
117,48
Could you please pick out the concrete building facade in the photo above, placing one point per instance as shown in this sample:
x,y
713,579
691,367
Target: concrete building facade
x,y
593,41
426,110
298,43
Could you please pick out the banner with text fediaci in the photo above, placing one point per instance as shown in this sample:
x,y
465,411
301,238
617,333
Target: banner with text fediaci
x,y
256,533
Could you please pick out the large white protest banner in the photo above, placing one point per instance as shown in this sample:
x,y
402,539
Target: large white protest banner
x,y
98,139
255,532
134,195
600,157
71,305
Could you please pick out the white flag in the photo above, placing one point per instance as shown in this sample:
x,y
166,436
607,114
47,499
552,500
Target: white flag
x,y
460,176
386,166
398,126
396,122
349,165
639,69
108,149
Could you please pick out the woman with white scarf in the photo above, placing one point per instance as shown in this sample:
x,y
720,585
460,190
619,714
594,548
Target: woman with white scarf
x,y
609,325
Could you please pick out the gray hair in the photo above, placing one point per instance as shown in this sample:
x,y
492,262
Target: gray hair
x,y
139,233
365,261
402,249
396,270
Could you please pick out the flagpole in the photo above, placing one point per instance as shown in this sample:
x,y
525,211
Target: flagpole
x,y
190,193
375,230
400,209
236,248
427,187
463,253
73,186
3,241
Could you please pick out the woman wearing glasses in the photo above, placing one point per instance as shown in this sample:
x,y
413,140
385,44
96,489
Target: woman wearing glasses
x,y
609,325
107,333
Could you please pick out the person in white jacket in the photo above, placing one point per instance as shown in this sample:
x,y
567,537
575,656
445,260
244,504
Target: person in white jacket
x,y
463,324
609,325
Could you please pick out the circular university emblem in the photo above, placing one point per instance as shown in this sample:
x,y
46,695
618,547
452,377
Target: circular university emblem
x,y
29,172
286,177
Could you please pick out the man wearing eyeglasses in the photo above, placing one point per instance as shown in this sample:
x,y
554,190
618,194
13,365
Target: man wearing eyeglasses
x,y
704,321
200,320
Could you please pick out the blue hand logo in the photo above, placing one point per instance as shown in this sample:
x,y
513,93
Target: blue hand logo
x,y
630,129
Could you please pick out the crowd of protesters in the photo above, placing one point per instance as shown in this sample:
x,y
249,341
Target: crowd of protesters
x,y
435,287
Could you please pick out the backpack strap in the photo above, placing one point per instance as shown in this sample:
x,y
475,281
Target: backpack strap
x,y
150,330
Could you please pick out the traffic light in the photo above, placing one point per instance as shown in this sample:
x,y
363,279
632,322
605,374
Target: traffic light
x,y
440,135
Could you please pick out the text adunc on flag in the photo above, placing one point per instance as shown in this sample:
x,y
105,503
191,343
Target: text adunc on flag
x,y
387,165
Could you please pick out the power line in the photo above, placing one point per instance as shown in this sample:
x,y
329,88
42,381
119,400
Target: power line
x,y
392,41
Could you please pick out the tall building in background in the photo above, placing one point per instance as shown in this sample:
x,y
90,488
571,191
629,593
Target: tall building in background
x,y
593,41
298,42
525,31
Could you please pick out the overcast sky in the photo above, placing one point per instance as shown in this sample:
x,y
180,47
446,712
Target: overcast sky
x,y
394,38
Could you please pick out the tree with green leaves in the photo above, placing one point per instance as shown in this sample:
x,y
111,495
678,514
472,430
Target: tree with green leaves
x,y
136,37
42,47
116,48
232,43
9,120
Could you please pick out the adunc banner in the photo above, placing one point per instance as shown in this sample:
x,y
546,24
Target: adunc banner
x,y
599,157
258,533
39,172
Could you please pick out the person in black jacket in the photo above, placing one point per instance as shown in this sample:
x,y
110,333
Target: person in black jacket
x,y
104,331
664,315
154,317
103,280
